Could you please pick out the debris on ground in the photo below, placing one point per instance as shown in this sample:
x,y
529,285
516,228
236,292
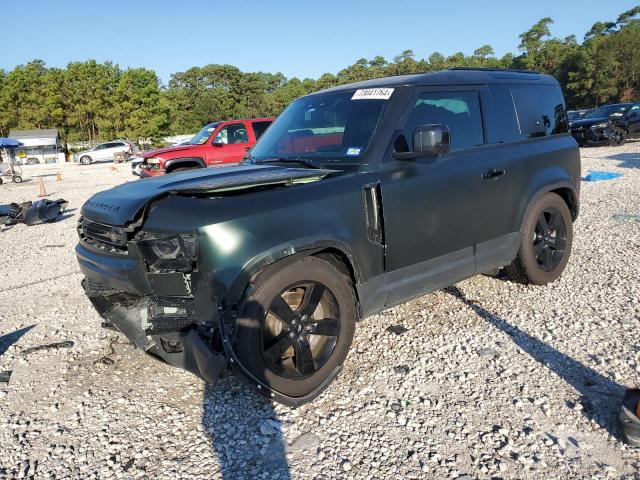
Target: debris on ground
x,y
48,346
628,417
624,217
597,175
306,441
32,213
397,329
5,376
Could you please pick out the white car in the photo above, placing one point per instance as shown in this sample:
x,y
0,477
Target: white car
x,y
103,152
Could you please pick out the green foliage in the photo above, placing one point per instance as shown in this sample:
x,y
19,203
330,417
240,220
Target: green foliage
x,y
98,101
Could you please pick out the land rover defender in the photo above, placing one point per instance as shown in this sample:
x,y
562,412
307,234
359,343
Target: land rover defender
x,y
357,198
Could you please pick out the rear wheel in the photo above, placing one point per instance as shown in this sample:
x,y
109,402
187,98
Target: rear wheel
x,y
547,236
295,329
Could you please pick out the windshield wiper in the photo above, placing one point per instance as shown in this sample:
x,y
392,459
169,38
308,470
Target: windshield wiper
x,y
300,160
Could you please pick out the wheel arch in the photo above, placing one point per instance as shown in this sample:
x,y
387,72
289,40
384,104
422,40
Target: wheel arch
x,y
565,189
337,253
174,163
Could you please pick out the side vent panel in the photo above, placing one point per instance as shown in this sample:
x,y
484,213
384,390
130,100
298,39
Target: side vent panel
x,y
373,213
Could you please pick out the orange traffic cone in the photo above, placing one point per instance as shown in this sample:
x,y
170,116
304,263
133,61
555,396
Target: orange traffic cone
x,y
43,192
58,176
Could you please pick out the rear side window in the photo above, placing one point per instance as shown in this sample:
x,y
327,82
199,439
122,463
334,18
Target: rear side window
x,y
259,128
540,111
460,111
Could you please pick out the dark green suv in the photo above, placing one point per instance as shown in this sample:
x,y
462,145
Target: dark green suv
x,y
356,198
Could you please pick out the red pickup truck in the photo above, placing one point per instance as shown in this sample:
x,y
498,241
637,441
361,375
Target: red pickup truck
x,y
216,144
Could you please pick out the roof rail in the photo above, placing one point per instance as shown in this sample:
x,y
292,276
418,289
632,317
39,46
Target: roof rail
x,y
495,70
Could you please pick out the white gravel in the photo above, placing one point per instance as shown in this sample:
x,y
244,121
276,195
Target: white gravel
x,y
491,379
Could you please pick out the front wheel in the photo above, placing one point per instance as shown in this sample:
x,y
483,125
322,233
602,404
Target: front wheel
x,y
547,236
296,326
85,160
617,137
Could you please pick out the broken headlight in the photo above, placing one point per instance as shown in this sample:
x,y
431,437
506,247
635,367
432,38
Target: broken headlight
x,y
169,252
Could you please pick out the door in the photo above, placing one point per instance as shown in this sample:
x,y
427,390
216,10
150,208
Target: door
x,y
634,120
433,208
229,145
101,152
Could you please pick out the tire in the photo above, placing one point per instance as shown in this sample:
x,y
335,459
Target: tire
x,y
544,252
617,137
85,160
16,179
273,350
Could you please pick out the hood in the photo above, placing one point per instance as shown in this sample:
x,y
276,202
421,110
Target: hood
x,y
122,204
160,151
587,122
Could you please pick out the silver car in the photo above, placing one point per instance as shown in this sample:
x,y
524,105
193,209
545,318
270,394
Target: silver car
x,y
103,152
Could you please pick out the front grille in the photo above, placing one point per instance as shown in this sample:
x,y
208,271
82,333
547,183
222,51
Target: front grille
x,y
100,235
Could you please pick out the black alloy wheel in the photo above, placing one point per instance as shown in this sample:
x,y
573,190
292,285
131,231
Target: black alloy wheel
x,y
295,326
617,137
300,330
550,239
545,243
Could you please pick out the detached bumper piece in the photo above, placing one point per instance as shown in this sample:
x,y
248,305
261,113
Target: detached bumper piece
x,y
161,326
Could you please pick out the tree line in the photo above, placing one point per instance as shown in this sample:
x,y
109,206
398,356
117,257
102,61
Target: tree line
x,y
91,101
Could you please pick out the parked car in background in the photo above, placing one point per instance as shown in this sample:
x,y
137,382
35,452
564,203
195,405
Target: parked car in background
x,y
358,198
218,143
611,124
104,152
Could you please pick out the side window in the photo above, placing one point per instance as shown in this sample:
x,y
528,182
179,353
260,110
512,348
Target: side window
x,y
540,110
259,128
231,134
460,111
101,146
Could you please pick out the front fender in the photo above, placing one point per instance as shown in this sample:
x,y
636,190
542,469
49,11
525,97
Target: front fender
x,y
287,253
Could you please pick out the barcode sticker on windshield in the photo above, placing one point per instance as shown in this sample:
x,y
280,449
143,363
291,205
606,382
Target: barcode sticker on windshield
x,y
372,94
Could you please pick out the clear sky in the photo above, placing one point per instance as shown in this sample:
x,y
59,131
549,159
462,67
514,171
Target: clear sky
x,y
295,37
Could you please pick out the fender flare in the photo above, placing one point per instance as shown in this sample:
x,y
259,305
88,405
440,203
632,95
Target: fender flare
x,y
175,162
283,255
550,188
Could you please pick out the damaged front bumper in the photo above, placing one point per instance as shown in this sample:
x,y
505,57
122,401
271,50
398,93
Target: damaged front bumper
x,y
161,327
156,312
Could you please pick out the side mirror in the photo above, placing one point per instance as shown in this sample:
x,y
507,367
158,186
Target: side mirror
x,y
428,141
217,142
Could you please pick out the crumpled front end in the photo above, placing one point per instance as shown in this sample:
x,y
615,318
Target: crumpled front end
x,y
152,303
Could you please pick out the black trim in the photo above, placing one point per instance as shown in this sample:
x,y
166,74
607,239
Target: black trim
x,y
176,161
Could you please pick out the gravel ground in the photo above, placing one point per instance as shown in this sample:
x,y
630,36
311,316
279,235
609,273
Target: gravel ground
x,y
488,379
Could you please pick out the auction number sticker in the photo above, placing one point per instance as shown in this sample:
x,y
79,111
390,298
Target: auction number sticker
x,y
372,94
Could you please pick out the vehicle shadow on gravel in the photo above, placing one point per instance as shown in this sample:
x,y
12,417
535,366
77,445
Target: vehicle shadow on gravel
x,y
600,395
628,160
10,338
244,431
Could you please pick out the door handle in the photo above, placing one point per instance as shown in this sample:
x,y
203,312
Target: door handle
x,y
493,173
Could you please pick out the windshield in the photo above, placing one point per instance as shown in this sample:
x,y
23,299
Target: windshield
x,y
203,135
608,111
329,127
574,115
